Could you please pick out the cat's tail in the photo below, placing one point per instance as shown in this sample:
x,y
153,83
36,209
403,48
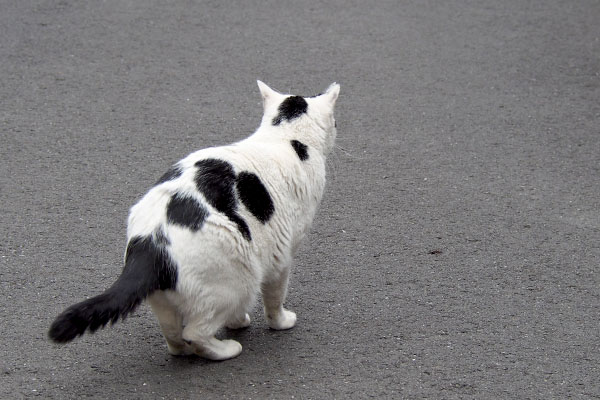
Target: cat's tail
x,y
147,269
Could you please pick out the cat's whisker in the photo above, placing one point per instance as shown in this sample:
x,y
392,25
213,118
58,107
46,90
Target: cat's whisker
x,y
346,152
331,166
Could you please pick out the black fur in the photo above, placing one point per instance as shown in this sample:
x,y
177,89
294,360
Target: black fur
x,y
146,270
160,239
301,149
172,173
254,196
242,226
186,211
290,108
215,179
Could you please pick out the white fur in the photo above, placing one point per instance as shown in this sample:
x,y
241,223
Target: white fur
x,y
221,273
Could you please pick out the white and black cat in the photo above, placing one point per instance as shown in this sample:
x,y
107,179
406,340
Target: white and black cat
x,y
217,229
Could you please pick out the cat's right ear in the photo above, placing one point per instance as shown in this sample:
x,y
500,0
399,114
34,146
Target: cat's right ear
x,y
267,93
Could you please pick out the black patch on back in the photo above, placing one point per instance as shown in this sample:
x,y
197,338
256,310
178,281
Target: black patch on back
x,y
301,149
215,179
172,173
255,196
242,226
186,211
290,108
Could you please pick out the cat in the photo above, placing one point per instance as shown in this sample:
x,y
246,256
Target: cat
x,y
219,228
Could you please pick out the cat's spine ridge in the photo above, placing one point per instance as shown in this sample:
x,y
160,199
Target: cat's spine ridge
x,y
147,269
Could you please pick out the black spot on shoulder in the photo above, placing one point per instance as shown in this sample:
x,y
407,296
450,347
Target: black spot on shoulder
x,y
186,211
254,196
290,108
215,179
301,149
172,173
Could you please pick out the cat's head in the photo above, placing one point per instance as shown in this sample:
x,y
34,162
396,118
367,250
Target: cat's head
x,y
312,115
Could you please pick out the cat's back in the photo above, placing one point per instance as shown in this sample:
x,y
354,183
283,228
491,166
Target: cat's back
x,y
243,188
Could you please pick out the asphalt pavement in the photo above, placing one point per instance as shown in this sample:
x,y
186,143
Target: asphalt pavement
x,y
455,254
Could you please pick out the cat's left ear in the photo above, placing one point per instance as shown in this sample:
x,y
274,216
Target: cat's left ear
x,y
331,94
267,93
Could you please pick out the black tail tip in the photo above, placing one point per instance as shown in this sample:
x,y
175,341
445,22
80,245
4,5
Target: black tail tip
x,y
64,329
60,334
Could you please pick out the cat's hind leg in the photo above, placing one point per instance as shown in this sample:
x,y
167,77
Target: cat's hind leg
x,y
199,335
239,322
171,323
274,291
212,311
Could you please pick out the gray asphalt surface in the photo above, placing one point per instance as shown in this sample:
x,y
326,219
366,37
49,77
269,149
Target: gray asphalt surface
x,y
456,251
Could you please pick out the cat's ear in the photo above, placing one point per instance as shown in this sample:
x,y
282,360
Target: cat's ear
x,y
267,93
331,94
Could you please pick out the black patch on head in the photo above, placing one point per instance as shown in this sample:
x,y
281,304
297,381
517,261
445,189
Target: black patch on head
x,y
186,211
290,108
172,173
301,149
215,179
254,196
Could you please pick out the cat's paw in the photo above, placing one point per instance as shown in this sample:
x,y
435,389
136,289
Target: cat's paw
x,y
284,320
219,350
182,349
243,322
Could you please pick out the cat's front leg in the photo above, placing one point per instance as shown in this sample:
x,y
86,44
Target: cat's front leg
x,y
274,291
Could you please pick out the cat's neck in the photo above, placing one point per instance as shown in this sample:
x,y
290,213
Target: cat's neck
x,y
304,130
